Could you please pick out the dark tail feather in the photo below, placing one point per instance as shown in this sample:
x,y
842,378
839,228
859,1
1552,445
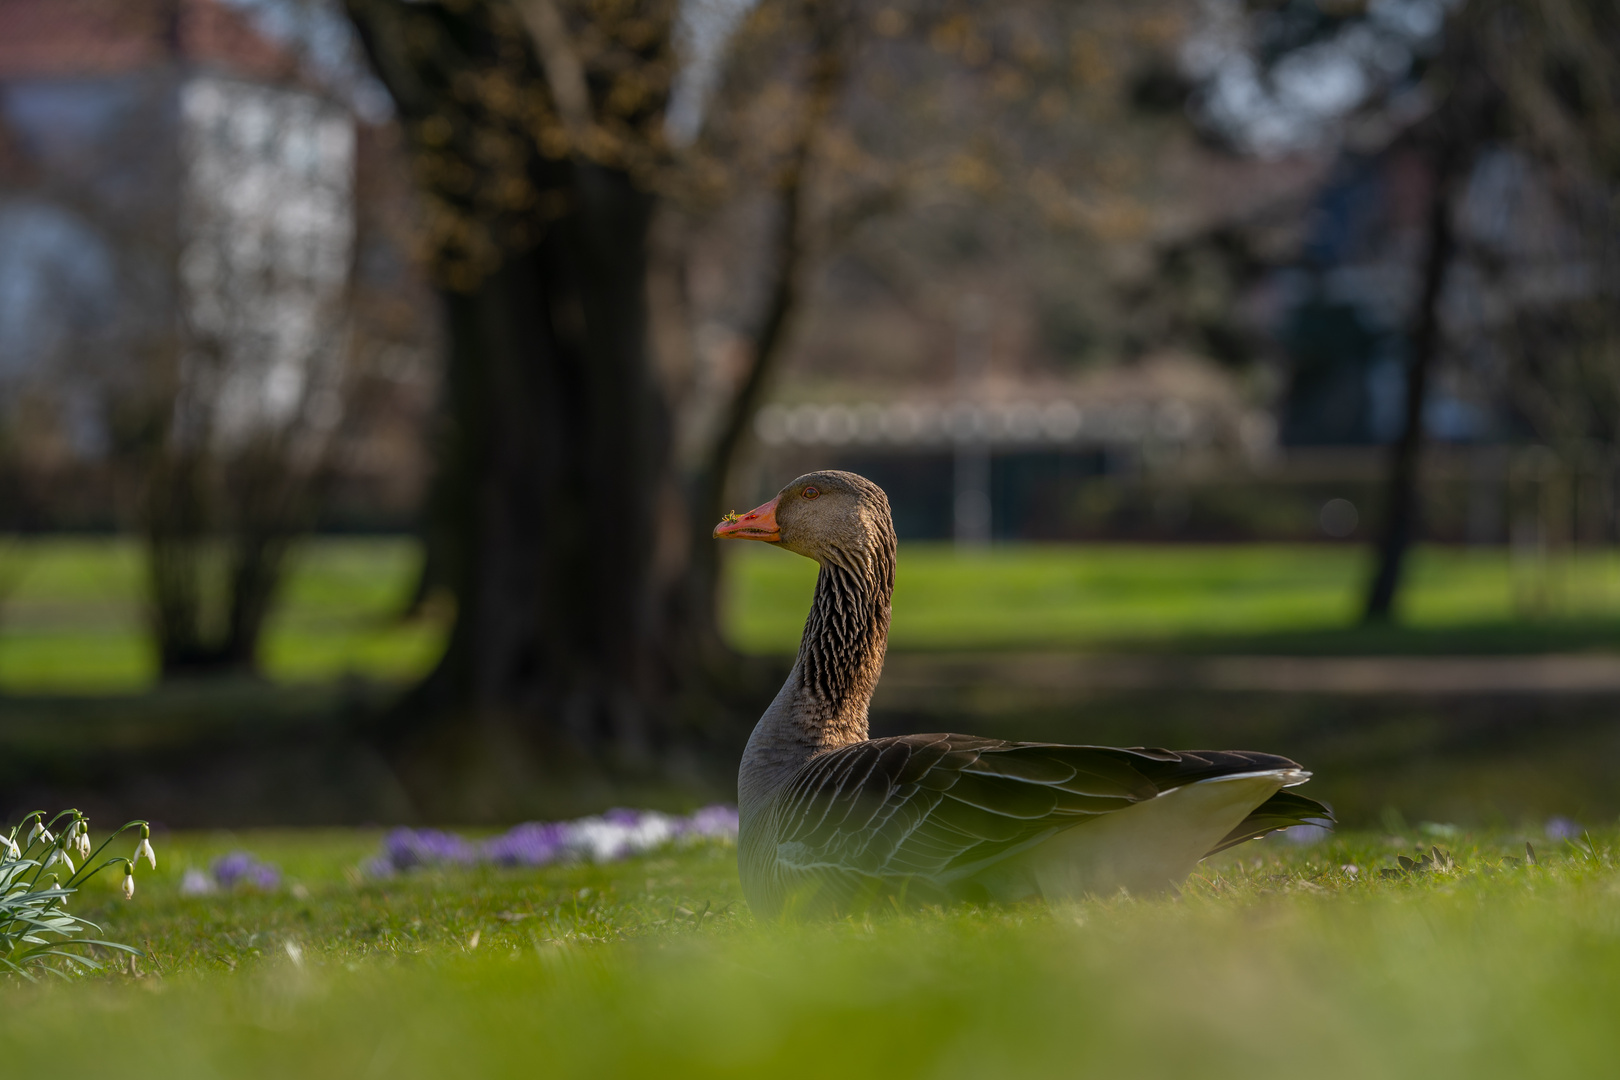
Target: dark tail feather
x,y
1278,812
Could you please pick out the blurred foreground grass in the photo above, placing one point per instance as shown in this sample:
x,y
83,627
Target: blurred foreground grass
x,y
1276,960
71,610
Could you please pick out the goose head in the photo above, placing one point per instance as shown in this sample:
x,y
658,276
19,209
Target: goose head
x,y
830,516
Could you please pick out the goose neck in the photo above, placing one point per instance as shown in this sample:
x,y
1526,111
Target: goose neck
x,y
823,704
841,653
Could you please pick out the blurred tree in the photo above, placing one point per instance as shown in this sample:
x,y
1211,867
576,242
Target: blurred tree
x,y
178,210
1449,139
1540,80
536,132
236,427
565,193
1457,86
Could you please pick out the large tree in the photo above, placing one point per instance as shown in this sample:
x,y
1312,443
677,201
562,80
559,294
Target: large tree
x,y
578,484
564,522
534,130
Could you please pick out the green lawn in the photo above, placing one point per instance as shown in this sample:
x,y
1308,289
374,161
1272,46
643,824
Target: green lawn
x,y
71,614
73,617
1276,961
1259,597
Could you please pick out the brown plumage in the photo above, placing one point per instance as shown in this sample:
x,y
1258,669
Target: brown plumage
x,y
833,820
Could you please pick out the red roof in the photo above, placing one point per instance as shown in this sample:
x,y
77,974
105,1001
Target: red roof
x,y
79,38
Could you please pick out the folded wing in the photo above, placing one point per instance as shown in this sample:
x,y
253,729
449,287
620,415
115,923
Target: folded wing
x,y
933,810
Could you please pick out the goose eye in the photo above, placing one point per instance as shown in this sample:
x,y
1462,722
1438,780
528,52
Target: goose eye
x,y
810,493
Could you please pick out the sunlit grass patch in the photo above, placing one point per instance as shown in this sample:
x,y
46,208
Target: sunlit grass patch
x,y
1277,959
74,620
1249,597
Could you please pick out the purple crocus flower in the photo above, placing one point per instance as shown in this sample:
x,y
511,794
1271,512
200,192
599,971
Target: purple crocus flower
x,y
405,848
1563,828
534,843
242,867
615,834
716,820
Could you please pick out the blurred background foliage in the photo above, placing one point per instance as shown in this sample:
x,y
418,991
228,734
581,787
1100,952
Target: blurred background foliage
x,y
372,373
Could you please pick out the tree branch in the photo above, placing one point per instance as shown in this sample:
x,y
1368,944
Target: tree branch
x,y
565,74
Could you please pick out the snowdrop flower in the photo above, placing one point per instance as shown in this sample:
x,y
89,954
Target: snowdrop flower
x,y
12,850
145,848
129,881
58,855
196,883
83,846
39,830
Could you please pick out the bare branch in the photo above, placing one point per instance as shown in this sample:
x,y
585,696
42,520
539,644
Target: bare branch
x,y
565,74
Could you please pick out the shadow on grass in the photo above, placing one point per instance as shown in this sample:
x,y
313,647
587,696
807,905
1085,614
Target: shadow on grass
x,y
245,752
1507,638
259,753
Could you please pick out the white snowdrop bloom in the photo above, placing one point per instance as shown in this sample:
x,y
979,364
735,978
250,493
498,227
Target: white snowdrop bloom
x,y
84,840
603,839
196,883
12,850
144,849
598,840
129,882
57,855
41,832
653,830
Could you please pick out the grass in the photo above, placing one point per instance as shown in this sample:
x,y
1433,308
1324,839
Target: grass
x,y
71,619
1248,598
1274,961
74,617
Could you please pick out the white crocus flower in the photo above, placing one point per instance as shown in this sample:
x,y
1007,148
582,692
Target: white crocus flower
x,y
129,881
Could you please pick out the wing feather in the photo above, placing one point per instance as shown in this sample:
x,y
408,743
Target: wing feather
x,y
924,804
1003,796
910,815
1282,810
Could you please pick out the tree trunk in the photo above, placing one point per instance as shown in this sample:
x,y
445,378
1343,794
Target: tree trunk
x,y
213,575
559,523
1401,509
551,494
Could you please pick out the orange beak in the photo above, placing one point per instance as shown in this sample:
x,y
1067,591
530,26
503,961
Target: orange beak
x,y
758,524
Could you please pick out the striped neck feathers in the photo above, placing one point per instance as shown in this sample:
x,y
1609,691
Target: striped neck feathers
x,y
845,637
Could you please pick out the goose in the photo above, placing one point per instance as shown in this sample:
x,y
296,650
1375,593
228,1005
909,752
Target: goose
x,y
833,821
